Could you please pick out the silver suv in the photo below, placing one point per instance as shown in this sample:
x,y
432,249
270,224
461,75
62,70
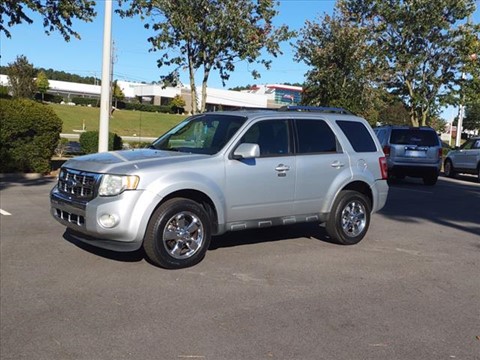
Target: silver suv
x,y
411,151
465,159
226,171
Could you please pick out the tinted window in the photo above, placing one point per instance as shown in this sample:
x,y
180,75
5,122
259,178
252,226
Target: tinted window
x,y
414,137
315,136
358,135
271,136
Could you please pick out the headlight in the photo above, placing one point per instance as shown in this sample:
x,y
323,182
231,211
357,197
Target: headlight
x,y
116,184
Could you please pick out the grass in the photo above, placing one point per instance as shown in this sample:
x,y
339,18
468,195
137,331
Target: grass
x,y
122,122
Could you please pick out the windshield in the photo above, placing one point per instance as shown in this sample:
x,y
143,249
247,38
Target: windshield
x,y
414,137
200,134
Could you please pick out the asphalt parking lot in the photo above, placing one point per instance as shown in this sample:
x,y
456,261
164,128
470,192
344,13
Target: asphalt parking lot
x,y
410,290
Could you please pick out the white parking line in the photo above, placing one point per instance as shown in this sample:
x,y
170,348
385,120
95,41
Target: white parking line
x,y
3,212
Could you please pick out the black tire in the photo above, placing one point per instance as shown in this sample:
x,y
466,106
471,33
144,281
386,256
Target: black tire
x,y
178,234
349,219
430,179
448,168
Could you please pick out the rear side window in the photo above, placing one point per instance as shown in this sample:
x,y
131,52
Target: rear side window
x,y
358,135
414,137
315,136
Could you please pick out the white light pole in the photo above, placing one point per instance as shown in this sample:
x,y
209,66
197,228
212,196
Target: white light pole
x,y
460,119
105,89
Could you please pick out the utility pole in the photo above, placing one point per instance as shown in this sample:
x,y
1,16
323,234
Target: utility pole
x,y
461,113
105,89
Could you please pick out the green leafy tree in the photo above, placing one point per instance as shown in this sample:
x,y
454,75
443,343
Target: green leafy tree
x,y
472,117
177,104
210,35
42,83
117,93
394,114
21,78
340,74
419,49
56,14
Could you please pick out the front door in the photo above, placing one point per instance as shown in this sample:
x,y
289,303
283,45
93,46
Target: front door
x,y
263,187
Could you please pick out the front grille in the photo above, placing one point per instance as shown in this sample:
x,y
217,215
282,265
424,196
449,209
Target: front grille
x,y
71,218
78,184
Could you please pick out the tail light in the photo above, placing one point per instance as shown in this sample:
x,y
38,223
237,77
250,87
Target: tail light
x,y
386,150
382,161
440,153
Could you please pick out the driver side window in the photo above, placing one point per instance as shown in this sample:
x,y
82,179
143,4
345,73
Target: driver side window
x,y
271,136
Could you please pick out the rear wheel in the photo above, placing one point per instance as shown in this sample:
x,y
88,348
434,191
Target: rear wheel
x,y
430,179
350,218
448,168
178,234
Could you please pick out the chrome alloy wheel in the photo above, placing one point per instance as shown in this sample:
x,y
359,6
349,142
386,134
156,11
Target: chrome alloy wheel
x,y
353,218
183,235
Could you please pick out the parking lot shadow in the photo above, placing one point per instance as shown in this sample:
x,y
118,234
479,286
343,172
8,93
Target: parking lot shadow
x,y
275,233
9,180
409,201
132,256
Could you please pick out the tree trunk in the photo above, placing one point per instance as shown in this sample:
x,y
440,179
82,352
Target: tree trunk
x,y
204,88
193,89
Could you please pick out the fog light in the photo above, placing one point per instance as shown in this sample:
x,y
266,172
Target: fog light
x,y
108,220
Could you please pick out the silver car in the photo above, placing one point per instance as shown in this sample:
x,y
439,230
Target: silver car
x,y
411,151
226,171
465,159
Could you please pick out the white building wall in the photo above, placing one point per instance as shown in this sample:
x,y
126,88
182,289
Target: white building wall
x,y
234,98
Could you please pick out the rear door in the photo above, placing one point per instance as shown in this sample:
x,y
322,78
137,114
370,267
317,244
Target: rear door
x,y
320,160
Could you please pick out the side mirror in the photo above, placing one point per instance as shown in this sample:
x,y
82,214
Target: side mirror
x,y
246,151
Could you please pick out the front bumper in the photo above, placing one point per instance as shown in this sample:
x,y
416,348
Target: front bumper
x,y
129,209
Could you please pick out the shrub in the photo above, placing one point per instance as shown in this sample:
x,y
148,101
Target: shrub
x,y
28,136
89,142
57,99
85,101
149,108
4,92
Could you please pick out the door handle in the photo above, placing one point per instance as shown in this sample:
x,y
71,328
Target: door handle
x,y
282,168
337,164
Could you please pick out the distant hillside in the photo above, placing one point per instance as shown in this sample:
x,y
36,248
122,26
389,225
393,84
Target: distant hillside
x,y
62,76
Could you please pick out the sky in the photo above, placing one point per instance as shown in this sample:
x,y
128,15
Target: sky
x,y
133,60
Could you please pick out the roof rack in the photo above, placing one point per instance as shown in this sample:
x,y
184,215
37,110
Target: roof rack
x,y
324,109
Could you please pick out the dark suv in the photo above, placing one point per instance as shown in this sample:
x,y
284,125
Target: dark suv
x,y
411,151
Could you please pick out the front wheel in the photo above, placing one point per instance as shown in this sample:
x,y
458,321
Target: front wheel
x,y
350,218
178,234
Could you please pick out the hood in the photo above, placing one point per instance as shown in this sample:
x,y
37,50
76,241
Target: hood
x,y
128,161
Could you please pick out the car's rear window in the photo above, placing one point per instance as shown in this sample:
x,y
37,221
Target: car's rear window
x,y
358,135
414,137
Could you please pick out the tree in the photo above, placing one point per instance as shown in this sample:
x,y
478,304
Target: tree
x,y
177,104
419,48
210,35
117,93
472,117
339,57
56,14
394,114
21,78
42,83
